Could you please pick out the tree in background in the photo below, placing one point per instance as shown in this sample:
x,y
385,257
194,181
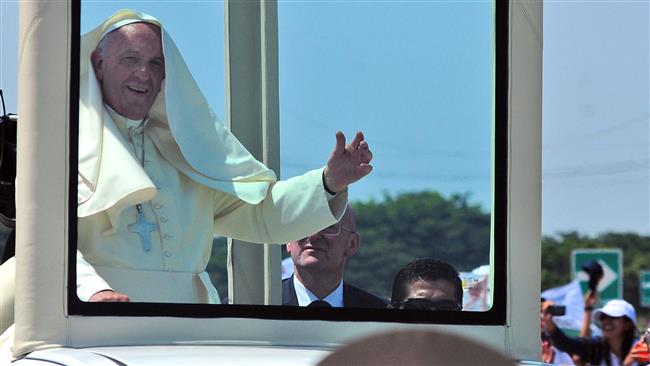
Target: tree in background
x,y
556,260
400,229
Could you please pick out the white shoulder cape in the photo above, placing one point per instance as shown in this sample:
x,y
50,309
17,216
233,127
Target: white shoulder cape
x,y
182,125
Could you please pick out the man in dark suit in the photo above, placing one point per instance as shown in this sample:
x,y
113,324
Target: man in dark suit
x,y
318,264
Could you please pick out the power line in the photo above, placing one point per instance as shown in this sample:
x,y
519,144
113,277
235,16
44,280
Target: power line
x,y
604,131
598,170
401,148
393,175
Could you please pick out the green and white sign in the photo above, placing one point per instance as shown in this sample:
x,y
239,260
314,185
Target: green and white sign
x,y
611,285
644,288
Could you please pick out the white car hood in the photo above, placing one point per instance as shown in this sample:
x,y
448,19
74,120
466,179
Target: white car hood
x,y
189,355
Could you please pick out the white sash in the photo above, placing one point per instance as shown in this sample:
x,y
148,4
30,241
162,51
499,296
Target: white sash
x,y
161,286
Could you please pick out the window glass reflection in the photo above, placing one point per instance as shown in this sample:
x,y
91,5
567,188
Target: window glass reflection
x,y
418,79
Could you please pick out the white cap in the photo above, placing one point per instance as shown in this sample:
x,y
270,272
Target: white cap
x,y
616,308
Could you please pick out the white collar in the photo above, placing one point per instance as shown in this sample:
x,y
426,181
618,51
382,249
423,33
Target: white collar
x,y
123,124
306,297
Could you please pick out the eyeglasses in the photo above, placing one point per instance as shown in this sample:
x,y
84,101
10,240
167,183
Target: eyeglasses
x,y
426,304
334,230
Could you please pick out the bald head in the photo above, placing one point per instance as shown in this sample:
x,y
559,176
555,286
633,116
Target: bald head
x,y
130,67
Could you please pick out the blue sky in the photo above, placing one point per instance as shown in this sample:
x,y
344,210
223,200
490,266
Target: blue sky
x,y
354,71
595,113
416,78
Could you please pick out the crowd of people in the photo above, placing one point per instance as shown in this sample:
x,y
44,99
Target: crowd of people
x,y
618,345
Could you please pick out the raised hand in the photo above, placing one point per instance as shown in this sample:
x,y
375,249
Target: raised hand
x,y
347,163
639,354
591,299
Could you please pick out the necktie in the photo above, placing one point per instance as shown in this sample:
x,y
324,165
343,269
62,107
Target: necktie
x,y
320,304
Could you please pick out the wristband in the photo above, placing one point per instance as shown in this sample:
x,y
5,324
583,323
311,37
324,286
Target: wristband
x,y
589,308
326,188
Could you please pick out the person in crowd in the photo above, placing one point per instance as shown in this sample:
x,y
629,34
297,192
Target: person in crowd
x,y
553,356
550,354
476,298
158,173
618,323
640,352
319,264
427,284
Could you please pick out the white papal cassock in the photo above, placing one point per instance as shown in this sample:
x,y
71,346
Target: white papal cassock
x,y
192,179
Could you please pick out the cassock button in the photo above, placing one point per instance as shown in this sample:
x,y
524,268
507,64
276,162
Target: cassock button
x,y
167,236
163,219
168,253
158,206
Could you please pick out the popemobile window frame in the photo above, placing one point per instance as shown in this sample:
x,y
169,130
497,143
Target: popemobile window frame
x,y
262,17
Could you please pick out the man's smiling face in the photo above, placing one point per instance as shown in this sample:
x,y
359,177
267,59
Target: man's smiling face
x,y
130,68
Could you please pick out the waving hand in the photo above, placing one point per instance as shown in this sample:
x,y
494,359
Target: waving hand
x,y
347,163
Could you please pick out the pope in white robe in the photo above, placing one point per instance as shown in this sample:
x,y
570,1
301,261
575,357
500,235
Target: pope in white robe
x,y
159,174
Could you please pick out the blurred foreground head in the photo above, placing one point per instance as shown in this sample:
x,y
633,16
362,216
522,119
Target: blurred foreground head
x,y
416,348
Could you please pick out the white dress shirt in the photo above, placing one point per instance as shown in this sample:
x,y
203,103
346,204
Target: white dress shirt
x,y
306,297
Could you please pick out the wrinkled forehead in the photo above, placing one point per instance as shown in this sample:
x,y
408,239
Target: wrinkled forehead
x,y
131,30
141,27
129,21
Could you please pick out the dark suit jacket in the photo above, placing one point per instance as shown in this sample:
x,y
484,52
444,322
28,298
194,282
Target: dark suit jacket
x,y
353,297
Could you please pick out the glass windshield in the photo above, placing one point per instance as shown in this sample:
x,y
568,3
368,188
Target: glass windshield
x,y
418,79
163,182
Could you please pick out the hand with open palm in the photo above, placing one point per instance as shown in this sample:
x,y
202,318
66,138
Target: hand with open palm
x,y
347,163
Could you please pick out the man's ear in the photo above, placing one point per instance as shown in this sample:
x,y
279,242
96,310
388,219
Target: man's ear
x,y
353,245
97,61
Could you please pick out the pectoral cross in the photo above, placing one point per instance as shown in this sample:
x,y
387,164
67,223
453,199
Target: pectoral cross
x,y
143,228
